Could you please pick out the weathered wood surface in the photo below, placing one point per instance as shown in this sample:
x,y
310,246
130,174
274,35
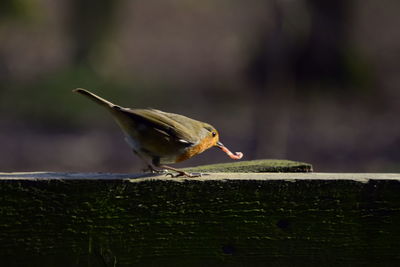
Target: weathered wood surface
x,y
221,219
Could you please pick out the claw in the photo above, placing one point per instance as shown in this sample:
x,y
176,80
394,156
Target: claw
x,y
182,173
179,172
151,169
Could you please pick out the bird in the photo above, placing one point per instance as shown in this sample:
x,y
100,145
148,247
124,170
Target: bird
x,y
159,138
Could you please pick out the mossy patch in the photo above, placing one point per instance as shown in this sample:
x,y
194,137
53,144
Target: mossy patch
x,y
262,165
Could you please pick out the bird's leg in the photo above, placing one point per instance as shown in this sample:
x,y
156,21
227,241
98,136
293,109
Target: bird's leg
x,y
150,168
179,172
163,168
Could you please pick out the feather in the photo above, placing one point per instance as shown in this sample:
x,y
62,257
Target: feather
x,y
175,126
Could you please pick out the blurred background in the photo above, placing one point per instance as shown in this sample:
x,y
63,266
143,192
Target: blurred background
x,y
306,80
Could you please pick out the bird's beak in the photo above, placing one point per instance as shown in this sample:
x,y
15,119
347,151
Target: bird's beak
x,y
219,145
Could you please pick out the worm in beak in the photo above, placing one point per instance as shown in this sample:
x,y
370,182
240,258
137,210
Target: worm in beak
x,y
237,155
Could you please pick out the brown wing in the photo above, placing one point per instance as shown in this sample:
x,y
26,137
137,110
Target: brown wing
x,y
159,133
174,126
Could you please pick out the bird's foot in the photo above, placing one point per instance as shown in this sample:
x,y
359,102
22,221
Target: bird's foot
x,y
185,174
179,173
151,169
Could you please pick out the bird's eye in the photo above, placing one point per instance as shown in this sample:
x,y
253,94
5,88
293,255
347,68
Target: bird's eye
x,y
214,134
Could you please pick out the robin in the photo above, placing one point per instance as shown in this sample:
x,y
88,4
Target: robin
x,y
160,138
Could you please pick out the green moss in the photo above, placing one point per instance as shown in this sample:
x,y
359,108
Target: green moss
x,y
262,165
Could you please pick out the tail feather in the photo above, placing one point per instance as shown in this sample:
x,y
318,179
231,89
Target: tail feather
x,y
95,98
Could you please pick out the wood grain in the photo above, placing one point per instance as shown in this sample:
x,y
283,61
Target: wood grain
x,y
302,219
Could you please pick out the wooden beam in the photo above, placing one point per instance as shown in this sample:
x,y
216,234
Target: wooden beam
x,y
221,219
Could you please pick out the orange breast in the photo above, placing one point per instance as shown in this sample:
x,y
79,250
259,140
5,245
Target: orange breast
x,y
204,144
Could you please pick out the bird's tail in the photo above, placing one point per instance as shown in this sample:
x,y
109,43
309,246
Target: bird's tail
x,y
95,98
